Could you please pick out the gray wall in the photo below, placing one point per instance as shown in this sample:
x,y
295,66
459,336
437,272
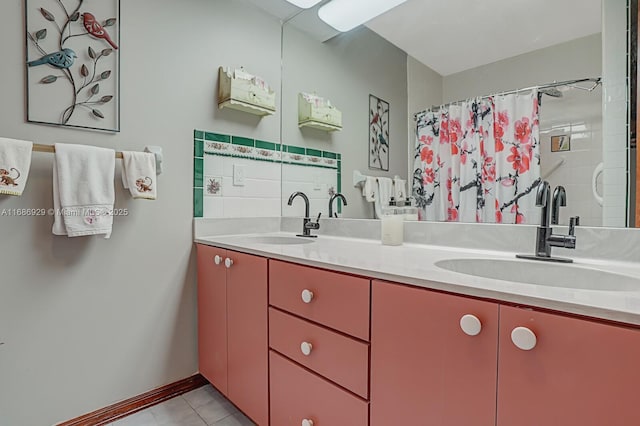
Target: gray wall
x,y
346,69
578,58
85,321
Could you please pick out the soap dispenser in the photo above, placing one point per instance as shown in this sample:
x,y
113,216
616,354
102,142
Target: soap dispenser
x,y
392,224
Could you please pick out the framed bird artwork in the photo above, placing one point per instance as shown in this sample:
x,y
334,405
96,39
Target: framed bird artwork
x,y
378,133
73,63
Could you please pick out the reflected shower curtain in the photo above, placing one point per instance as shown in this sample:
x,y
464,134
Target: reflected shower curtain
x,y
479,161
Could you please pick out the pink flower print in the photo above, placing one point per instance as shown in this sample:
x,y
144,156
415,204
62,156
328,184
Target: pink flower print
x,y
519,216
463,154
444,132
488,170
455,131
498,131
429,176
519,162
503,118
426,140
523,130
454,149
452,214
426,155
498,213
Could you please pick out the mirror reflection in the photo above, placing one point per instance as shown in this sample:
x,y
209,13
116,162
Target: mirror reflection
x,y
431,75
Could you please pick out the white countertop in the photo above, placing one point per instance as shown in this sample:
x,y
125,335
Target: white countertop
x,y
414,264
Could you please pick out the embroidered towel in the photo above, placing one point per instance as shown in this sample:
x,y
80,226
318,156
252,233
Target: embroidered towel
x,y
138,174
15,161
385,192
399,188
83,190
369,188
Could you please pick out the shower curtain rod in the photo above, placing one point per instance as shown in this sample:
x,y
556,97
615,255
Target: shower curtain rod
x,y
596,80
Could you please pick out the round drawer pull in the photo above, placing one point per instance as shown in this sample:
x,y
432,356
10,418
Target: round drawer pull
x,y
523,338
471,325
217,260
228,262
306,348
307,296
307,422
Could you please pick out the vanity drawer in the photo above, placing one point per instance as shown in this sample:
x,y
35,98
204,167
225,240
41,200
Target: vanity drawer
x,y
335,356
297,394
339,301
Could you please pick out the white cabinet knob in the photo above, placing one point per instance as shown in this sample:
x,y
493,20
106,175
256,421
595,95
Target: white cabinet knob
x,y
524,338
228,262
307,422
471,325
306,348
307,296
217,260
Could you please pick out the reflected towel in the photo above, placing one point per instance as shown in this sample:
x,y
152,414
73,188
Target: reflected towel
x,y
399,188
385,192
370,188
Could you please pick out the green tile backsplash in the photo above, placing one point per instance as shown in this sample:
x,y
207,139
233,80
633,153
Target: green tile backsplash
x,y
218,144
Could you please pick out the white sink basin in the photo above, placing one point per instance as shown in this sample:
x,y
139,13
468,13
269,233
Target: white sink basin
x,y
542,273
275,239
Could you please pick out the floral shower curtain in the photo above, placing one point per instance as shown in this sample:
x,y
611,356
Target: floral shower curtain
x,y
479,161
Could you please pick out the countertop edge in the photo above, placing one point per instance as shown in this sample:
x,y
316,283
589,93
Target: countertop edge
x,y
589,312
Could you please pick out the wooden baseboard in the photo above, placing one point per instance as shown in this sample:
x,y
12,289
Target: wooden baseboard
x,y
124,408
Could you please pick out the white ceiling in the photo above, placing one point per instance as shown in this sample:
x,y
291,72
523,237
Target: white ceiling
x,y
450,36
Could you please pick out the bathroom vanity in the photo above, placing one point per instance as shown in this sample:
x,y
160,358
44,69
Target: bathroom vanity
x,y
345,331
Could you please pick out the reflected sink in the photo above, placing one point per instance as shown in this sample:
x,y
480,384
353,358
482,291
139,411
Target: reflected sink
x,y
542,273
276,239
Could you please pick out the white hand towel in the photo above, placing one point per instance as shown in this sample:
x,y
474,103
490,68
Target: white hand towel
x,y
369,188
385,192
139,173
399,188
15,161
83,190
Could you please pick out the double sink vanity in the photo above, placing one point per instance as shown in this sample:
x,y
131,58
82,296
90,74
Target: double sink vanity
x,y
345,331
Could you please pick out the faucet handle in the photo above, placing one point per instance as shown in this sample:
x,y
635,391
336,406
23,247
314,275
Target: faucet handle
x,y
318,218
573,222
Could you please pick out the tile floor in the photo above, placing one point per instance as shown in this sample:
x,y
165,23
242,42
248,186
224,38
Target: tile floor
x,y
204,406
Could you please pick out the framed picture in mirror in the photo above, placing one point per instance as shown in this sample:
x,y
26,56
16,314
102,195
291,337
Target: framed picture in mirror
x,y
378,133
560,143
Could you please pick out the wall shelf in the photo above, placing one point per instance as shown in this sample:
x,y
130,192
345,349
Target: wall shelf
x,y
244,92
318,113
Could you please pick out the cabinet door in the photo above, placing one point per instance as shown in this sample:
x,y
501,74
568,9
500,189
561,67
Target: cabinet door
x,y
424,369
212,316
247,341
579,373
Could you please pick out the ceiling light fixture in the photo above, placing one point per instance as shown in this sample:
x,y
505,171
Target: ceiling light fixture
x,y
344,15
305,4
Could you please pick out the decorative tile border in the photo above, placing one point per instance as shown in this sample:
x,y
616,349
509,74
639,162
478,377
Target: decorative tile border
x,y
209,143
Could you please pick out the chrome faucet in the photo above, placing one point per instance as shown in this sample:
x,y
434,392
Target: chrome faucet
x,y
333,197
307,225
545,238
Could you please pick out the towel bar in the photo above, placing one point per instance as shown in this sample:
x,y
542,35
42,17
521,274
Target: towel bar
x,y
37,147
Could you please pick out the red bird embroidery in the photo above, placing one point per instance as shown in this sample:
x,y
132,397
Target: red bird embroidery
x,y
94,28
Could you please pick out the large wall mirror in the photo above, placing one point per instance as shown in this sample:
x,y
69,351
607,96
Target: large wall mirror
x,y
427,56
